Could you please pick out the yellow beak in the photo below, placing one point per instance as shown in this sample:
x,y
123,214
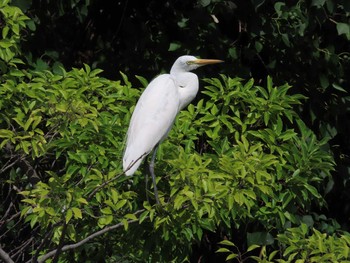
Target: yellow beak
x,y
202,62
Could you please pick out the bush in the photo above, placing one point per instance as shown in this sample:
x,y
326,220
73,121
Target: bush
x,y
239,162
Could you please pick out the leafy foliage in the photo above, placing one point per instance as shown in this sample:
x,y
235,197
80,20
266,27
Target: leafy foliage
x,y
297,245
240,172
302,42
59,135
318,247
258,173
13,22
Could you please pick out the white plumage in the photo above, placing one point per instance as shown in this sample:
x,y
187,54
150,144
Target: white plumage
x,y
157,108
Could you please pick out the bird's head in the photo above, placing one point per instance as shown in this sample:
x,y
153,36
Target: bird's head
x,y
189,63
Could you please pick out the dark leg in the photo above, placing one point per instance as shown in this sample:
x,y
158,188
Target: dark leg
x,y
146,184
151,169
145,171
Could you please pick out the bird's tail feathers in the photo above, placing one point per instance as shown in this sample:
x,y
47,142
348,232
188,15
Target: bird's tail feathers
x,y
131,162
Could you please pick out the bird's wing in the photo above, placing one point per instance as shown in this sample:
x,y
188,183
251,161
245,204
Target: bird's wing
x,y
152,119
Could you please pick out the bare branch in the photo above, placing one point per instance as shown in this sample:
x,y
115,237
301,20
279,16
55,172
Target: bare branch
x,y
11,227
21,248
87,239
13,217
103,185
134,162
5,257
9,164
2,220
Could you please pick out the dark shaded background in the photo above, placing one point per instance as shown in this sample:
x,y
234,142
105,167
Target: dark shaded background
x,y
300,42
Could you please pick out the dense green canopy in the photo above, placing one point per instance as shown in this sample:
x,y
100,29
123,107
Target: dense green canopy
x,y
254,170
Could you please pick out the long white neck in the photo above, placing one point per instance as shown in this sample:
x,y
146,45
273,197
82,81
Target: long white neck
x,y
176,69
187,86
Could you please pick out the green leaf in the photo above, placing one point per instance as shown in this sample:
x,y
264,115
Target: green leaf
x,y
82,200
126,224
69,215
223,250
115,195
143,216
120,204
324,81
318,3
5,31
278,7
6,133
182,23
50,211
257,4
5,44
77,212
33,220
245,143
142,80
258,46
231,256
285,39
289,250
233,53
344,29
337,87
205,3
252,247
266,118
174,46
227,243
260,238
31,25
28,123
131,216
308,220
312,190
296,173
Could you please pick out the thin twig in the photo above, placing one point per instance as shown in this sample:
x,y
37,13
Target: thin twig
x,y
103,185
8,164
121,20
114,178
332,20
134,162
20,249
2,220
30,168
10,228
13,217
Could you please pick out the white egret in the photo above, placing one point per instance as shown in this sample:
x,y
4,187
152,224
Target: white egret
x,y
156,111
